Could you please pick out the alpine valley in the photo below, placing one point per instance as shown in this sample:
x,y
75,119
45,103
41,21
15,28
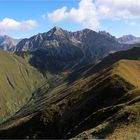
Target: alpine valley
x,y
69,85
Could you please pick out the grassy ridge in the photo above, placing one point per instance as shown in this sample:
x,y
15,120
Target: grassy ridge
x,y
129,70
124,123
86,104
18,80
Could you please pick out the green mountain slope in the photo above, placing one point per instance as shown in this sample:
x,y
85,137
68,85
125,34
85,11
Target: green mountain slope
x,y
18,80
94,106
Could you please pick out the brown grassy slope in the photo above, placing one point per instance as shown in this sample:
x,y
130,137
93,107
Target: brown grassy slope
x,y
18,80
129,70
87,104
124,124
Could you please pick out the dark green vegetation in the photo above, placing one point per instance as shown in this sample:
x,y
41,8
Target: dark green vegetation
x,y
101,101
18,80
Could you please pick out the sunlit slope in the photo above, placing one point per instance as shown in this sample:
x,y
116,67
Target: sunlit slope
x,y
129,70
18,80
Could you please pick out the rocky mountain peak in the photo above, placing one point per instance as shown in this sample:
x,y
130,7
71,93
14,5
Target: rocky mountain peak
x,y
56,28
56,31
86,30
8,43
2,37
129,39
106,34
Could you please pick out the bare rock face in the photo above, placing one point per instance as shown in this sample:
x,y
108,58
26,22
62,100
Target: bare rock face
x,y
8,43
129,39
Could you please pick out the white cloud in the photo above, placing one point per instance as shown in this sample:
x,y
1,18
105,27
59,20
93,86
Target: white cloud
x,y
8,24
58,15
125,9
85,14
90,12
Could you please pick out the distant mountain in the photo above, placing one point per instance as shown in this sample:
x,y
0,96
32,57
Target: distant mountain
x,y
57,37
129,39
8,43
59,49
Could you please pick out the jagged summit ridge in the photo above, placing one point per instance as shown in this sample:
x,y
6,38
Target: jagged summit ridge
x,y
62,49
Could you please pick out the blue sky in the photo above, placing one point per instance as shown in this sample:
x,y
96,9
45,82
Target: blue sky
x,y
24,18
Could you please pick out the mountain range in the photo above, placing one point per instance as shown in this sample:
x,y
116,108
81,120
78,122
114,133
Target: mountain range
x,y
8,43
70,85
63,50
129,39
